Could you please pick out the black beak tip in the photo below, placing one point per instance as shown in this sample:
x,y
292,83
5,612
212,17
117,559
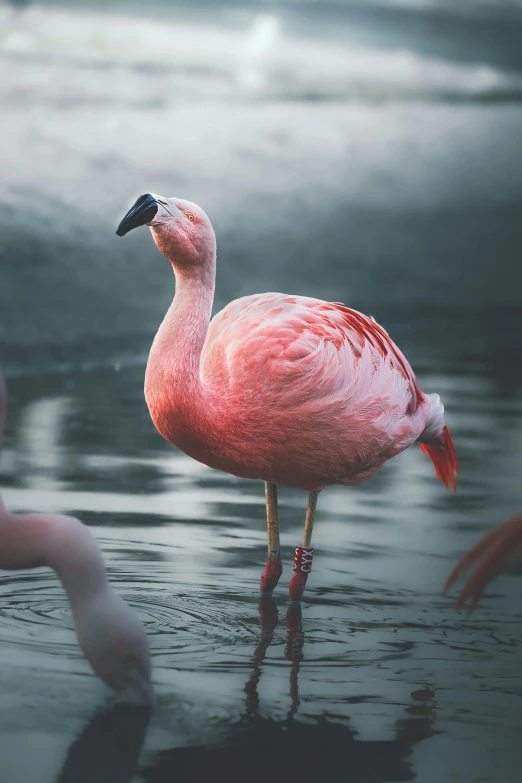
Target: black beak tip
x,y
143,211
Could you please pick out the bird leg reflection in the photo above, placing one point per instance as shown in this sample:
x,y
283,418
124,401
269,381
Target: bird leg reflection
x,y
268,618
294,650
419,724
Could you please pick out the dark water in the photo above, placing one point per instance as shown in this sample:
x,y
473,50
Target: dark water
x,y
378,681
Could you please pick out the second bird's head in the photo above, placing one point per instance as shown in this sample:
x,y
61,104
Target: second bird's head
x,y
181,229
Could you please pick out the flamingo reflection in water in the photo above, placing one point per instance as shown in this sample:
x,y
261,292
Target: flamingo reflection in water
x,y
109,747
491,554
268,618
110,635
257,747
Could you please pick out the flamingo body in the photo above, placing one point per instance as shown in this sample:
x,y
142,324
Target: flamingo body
x,y
292,390
289,389
303,393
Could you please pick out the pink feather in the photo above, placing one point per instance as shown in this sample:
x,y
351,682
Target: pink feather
x,y
293,390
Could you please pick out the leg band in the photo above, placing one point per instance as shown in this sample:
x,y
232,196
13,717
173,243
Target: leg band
x,y
302,567
303,560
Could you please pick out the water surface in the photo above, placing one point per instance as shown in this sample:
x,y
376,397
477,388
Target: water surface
x,y
378,681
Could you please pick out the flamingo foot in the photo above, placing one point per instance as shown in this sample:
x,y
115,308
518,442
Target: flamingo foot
x,y
302,567
272,573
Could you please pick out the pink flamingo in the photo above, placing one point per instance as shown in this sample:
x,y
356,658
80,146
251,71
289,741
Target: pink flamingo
x,y
491,551
288,389
110,635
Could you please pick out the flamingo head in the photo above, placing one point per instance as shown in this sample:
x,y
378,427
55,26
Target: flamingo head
x,y
115,644
182,231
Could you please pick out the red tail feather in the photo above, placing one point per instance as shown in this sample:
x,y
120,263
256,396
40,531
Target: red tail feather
x,y
443,456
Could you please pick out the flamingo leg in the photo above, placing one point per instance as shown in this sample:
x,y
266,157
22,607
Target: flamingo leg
x,y
303,554
274,568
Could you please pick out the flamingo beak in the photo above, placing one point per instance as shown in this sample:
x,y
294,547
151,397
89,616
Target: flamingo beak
x,y
143,211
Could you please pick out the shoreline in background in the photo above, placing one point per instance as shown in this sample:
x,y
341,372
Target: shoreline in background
x,y
379,202
416,329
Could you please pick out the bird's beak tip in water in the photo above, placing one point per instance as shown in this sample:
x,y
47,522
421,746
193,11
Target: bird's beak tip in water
x,y
141,213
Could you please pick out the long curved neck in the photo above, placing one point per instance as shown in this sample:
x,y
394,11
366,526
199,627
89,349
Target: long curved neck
x,y
61,543
173,386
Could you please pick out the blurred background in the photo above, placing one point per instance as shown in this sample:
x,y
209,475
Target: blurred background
x,y
356,150
363,151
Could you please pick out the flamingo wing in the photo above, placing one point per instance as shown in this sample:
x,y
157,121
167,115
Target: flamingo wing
x,y
324,375
299,349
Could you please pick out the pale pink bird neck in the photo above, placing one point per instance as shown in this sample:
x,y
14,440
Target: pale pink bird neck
x,y
62,543
109,634
172,379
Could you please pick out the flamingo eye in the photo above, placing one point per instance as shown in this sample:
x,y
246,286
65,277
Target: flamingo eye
x,y
190,216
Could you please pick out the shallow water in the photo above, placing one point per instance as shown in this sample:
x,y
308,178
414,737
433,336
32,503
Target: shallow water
x,y
378,681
